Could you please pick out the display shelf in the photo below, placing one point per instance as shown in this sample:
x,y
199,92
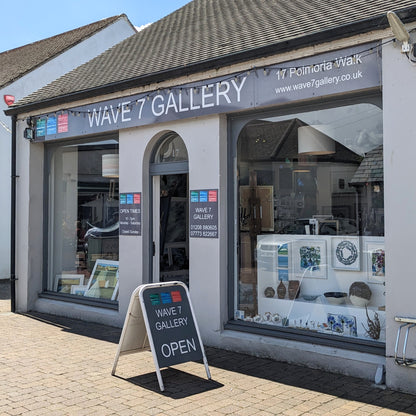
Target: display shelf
x,y
314,315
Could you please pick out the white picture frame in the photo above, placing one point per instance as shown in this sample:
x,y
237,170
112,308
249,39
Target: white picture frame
x,y
346,253
78,290
375,261
310,258
64,282
103,280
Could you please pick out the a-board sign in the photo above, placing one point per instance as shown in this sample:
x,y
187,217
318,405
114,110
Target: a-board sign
x,y
160,315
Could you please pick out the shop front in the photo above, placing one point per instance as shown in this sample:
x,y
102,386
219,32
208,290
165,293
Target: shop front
x,y
262,190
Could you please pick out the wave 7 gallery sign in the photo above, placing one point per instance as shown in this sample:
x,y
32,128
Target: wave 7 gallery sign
x,y
351,69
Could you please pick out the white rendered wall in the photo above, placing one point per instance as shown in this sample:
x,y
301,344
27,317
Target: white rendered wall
x,y
51,70
399,77
207,273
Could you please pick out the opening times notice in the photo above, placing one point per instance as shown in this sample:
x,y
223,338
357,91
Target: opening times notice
x,y
130,214
203,218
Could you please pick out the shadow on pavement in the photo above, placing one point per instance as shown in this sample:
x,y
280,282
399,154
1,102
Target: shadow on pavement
x,y
177,383
346,387
75,326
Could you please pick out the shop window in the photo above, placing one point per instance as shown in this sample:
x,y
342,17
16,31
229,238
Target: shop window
x,y
310,194
83,220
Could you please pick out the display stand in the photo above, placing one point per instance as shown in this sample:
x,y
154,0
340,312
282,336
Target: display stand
x,y
161,317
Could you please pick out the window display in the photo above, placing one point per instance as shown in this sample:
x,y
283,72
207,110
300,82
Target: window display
x,y
311,221
83,219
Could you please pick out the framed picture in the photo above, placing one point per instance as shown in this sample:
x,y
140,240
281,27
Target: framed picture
x,y
64,282
346,253
78,290
310,259
342,324
375,258
103,281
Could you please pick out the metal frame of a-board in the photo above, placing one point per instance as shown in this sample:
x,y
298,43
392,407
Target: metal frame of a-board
x,y
138,335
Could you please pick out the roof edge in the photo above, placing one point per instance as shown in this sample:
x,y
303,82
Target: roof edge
x,y
374,23
113,19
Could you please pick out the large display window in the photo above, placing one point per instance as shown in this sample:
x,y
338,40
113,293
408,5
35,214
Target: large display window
x,y
83,223
309,197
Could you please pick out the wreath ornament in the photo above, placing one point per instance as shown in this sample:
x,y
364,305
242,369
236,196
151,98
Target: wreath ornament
x,y
346,253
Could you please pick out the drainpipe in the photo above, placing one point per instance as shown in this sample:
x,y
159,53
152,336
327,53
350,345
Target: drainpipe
x,y
13,219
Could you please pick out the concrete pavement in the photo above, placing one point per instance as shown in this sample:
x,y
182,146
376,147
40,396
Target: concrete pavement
x,y
58,366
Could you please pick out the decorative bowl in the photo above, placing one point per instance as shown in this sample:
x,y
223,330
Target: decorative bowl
x,y
357,301
310,298
335,298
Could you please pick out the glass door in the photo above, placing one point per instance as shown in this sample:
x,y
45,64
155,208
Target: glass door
x,y
173,229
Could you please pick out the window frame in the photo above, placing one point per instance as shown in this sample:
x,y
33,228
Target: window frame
x,y
49,148
235,124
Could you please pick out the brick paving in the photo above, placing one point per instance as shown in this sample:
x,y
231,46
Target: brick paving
x,y
58,366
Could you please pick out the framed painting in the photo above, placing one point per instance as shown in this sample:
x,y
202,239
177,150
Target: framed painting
x,y
64,282
78,290
310,258
376,261
103,281
346,253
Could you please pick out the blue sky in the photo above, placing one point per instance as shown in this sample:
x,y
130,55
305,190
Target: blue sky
x,y
27,21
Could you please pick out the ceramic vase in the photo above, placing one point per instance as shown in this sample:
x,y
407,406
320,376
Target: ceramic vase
x,y
281,290
293,289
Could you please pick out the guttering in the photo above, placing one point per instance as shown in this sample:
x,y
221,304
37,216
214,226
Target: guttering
x,y
13,177
347,30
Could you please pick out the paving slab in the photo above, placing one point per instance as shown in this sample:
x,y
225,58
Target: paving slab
x,y
58,366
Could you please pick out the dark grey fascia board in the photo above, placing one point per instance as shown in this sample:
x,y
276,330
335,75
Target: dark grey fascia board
x,y
363,26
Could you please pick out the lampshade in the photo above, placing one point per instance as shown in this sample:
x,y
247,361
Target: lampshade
x,y
110,166
312,141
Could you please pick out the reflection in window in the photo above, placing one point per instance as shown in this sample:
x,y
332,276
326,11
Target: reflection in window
x,y
172,149
83,220
311,221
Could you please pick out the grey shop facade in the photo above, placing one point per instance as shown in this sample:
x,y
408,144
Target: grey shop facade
x,y
262,189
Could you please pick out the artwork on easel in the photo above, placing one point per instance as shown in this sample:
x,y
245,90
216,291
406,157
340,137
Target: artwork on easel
x,y
103,283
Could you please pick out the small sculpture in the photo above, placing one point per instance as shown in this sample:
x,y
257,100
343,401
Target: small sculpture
x,y
374,327
294,286
360,294
281,290
269,292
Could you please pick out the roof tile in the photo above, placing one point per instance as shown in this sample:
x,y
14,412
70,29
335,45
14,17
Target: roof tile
x,y
19,61
207,30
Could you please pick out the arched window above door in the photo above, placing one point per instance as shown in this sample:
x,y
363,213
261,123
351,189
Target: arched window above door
x,y
171,149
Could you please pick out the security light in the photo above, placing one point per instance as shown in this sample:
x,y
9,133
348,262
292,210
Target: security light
x,y
399,31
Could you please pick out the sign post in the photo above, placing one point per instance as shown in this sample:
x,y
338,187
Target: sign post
x,y
160,316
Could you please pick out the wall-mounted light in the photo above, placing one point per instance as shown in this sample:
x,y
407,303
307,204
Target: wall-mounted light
x,y
29,132
312,141
399,31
